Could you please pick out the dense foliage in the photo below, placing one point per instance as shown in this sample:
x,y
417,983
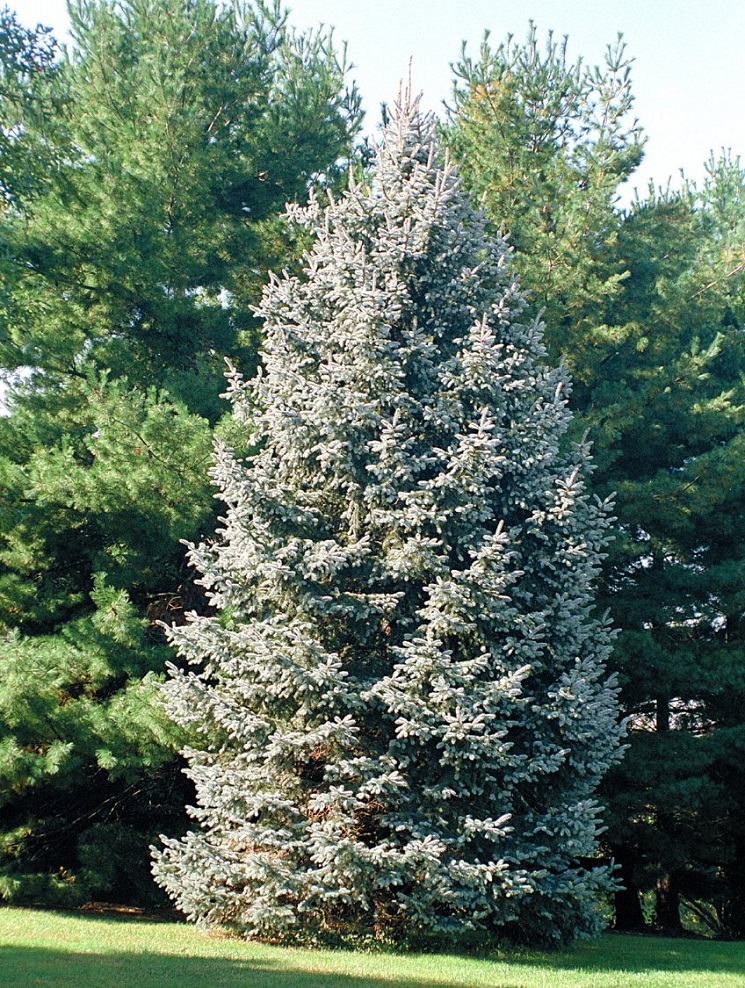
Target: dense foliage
x,y
676,574
401,701
142,176
646,308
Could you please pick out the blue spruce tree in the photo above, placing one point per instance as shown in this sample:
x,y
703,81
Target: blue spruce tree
x,y
399,707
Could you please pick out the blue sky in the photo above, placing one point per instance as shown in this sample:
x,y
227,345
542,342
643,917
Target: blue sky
x,y
687,76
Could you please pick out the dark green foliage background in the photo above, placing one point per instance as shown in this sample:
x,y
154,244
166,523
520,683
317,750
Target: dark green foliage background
x,y
143,174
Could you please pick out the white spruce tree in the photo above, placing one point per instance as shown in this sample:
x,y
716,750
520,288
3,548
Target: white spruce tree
x,y
400,702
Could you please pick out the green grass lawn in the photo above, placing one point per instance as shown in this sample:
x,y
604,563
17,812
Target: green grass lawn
x,y
93,951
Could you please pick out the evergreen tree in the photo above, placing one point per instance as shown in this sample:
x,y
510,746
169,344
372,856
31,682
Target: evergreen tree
x,y
142,174
545,144
671,426
400,702
646,307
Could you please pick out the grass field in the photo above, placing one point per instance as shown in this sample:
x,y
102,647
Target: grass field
x,y
93,951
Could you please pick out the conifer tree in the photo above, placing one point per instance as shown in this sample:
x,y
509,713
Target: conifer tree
x,y
144,170
647,307
400,701
671,426
544,144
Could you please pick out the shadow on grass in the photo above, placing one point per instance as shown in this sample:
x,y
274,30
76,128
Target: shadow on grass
x,y
632,954
611,952
29,967
159,955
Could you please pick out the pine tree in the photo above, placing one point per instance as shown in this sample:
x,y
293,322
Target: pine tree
x,y
646,307
143,173
400,702
671,425
545,143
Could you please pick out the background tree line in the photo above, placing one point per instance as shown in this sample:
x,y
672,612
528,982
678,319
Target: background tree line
x,y
143,174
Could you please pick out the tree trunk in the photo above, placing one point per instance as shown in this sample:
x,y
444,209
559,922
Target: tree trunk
x,y
667,913
733,912
628,908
